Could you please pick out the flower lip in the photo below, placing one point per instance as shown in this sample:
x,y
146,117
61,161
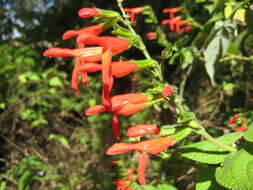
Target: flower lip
x,y
88,12
142,129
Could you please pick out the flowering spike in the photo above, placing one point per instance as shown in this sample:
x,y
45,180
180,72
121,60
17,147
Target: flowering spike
x,y
167,91
95,109
141,130
88,12
141,168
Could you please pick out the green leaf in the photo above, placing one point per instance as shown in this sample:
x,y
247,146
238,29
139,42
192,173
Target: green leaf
x,y
207,152
55,81
237,171
181,133
219,41
25,180
63,140
248,136
3,185
228,11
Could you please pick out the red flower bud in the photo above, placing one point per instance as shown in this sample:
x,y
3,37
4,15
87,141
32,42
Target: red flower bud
x,y
167,91
233,120
88,12
141,130
130,109
151,35
242,128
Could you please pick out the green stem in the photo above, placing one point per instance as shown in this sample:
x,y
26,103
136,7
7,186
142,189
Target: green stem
x,y
215,141
141,45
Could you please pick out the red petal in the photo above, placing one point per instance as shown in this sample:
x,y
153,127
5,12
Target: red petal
x,y
85,79
75,73
59,52
115,126
130,109
141,168
155,146
90,68
141,130
119,148
95,109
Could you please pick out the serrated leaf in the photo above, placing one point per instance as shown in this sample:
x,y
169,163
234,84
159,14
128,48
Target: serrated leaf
x,y
237,171
207,152
248,136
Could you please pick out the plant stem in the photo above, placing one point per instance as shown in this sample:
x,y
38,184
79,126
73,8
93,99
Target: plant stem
x,y
215,141
141,45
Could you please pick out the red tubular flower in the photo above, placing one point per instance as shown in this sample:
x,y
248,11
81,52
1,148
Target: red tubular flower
x,y
125,104
117,45
179,24
143,160
91,54
133,12
93,30
242,128
234,119
107,77
187,28
88,12
167,91
141,130
151,35
172,11
172,22
121,184
123,68
152,146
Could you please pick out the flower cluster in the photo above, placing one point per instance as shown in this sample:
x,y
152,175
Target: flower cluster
x,y
133,12
97,57
176,22
236,120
